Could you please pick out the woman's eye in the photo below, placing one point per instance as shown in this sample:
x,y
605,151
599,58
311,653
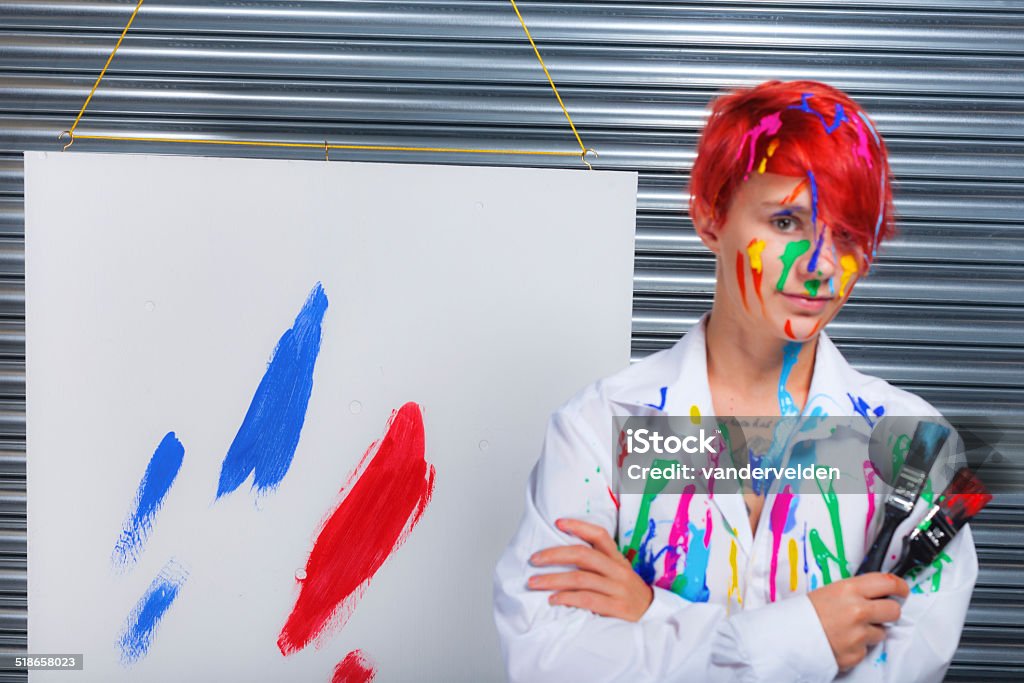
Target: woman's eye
x,y
785,223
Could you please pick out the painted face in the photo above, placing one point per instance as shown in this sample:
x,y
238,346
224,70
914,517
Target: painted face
x,y
779,269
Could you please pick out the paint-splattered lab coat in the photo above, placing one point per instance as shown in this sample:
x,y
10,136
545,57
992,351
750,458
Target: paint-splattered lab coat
x,y
728,605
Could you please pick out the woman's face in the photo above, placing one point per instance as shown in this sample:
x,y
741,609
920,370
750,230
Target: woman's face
x,y
776,270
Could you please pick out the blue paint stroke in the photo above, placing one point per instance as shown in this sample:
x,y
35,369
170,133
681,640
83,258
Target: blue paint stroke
x,y
695,588
861,407
835,264
664,395
266,441
142,622
881,194
790,354
840,115
156,482
643,563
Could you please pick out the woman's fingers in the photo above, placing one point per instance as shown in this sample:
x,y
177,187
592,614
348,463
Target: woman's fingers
x,y
572,581
593,534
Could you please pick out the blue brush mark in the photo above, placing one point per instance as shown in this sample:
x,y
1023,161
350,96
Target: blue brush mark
x,y
835,263
266,441
806,107
142,622
695,587
806,568
862,408
883,656
163,468
664,395
644,561
881,189
812,264
790,354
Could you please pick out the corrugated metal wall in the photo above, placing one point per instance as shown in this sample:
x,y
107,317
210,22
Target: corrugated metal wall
x,y
941,315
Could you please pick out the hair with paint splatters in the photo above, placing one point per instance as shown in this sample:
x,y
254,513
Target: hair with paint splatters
x,y
790,129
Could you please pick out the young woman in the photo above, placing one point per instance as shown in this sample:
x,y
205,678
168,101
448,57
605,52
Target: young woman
x,y
791,192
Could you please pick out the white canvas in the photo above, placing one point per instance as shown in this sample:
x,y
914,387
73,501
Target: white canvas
x,y
156,290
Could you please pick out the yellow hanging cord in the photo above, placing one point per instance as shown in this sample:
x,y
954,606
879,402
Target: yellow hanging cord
x,y
550,80
257,143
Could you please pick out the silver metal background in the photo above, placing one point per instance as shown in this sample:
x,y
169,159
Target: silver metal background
x,y
942,314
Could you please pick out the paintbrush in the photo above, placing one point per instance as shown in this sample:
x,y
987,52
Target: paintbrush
x,y
924,447
962,500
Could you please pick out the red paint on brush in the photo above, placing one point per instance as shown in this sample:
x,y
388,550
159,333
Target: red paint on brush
x,y
741,278
789,330
355,668
382,507
964,497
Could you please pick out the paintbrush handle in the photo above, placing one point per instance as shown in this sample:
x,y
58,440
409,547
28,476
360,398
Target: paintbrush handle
x,y
876,555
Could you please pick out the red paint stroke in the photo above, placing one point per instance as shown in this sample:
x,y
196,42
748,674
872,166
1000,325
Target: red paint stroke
x,y
791,197
623,451
789,329
382,507
355,668
614,499
741,278
815,328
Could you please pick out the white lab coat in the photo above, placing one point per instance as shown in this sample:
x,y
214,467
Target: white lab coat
x,y
727,628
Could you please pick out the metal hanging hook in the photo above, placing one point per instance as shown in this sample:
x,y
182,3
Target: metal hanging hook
x,y
583,156
71,138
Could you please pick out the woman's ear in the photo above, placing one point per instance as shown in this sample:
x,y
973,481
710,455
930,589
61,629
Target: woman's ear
x,y
708,231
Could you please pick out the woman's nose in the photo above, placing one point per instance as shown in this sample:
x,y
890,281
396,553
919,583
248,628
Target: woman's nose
x,y
820,261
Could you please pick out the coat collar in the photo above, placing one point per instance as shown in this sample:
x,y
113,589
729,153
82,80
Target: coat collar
x,y
675,382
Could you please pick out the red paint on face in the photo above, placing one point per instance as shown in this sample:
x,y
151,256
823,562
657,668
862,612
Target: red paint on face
x,y
382,507
355,668
741,278
789,329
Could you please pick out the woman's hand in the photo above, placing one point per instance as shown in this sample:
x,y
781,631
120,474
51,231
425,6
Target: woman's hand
x,y
852,613
604,582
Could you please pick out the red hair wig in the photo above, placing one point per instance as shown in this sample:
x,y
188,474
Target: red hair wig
x,y
804,129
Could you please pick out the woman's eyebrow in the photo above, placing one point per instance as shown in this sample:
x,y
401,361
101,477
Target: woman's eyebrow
x,y
786,211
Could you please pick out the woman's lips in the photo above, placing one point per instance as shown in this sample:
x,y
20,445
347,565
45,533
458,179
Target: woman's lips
x,y
807,303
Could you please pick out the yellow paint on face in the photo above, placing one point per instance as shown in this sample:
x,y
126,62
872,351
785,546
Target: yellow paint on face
x,y
793,561
754,250
764,165
695,414
772,146
849,266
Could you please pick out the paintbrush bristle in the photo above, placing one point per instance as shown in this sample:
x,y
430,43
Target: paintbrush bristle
x,y
925,446
964,498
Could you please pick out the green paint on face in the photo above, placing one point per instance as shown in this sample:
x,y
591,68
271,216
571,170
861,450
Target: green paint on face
x,y
794,250
812,287
652,488
822,554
